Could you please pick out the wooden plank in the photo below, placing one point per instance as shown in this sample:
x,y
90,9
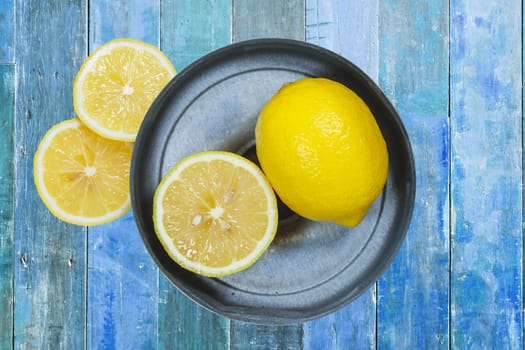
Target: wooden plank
x,y
122,277
354,326
123,289
256,337
50,265
266,19
7,31
349,28
190,29
256,19
137,19
413,294
486,193
185,325
329,24
7,116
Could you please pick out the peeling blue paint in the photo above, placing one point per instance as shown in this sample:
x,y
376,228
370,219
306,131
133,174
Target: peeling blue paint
x,y
108,341
463,231
486,195
7,31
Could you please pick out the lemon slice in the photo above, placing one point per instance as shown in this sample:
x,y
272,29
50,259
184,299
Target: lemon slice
x,y
117,84
82,177
215,213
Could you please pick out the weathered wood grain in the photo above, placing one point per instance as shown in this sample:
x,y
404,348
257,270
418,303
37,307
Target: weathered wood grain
x,y
256,19
122,278
137,19
122,289
190,29
486,192
50,256
185,325
413,294
7,114
349,29
58,281
7,31
267,19
249,336
352,327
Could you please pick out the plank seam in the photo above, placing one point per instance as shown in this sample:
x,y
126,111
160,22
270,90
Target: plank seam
x,y
522,175
232,17
160,31
376,335
86,229
15,183
157,280
14,171
449,190
232,21
304,39
13,189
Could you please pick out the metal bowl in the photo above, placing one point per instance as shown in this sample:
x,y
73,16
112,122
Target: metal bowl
x,y
311,268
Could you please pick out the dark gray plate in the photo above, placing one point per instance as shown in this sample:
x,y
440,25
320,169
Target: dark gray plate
x,y
311,268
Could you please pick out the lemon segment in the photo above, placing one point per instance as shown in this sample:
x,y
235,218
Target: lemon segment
x,y
215,213
322,150
81,177
116,85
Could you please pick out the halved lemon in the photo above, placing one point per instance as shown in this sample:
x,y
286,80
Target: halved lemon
x,y
117,84
82,177
215,213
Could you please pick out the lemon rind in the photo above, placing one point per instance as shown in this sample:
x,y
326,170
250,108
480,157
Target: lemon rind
x,y
85,68
46,197
168,245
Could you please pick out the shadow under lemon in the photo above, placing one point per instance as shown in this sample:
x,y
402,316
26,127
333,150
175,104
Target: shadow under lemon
x,y
286,215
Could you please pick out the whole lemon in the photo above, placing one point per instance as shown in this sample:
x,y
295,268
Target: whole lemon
x,y
322,150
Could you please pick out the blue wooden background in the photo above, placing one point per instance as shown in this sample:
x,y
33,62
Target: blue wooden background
x,y
452,68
